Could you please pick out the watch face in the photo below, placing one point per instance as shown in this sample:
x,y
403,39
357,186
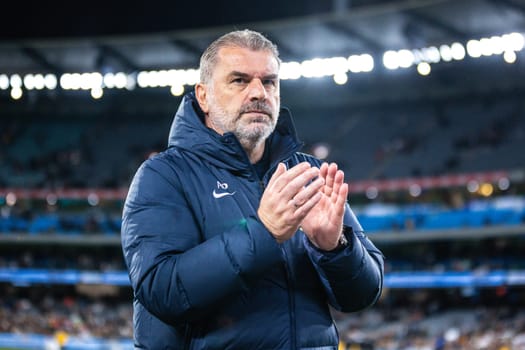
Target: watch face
x,y
342,240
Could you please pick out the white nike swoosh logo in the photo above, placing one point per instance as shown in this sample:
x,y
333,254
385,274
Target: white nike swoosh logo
x,y
222,194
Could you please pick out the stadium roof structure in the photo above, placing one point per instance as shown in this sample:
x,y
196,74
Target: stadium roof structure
x,y
157,38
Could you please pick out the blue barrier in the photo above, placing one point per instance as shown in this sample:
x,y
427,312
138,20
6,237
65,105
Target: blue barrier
x,y
45,342
408,279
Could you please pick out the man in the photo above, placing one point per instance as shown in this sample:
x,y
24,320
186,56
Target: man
x,y
233,239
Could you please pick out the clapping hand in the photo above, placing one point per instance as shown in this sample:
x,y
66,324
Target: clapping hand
x,y
324,222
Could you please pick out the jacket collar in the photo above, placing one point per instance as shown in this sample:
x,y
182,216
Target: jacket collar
x,y
188,132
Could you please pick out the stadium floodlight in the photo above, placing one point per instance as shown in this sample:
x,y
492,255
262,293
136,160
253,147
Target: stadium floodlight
x,y
405,58
514,41
336,67
510,56
390,60
312,68
431,54
16,93
474,48
458,51
121,80
423,68
192,76
323,67
487,48
15,81
97,92
34,81
290,70
341,78
109,80
39,82
131,82
177,89
50,81
445,52
4,82
360,63
29,82
143,79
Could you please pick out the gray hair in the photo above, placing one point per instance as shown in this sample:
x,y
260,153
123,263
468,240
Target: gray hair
x,y
246,38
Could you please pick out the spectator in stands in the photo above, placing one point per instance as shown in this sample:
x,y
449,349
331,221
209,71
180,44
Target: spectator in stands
x,y
232,238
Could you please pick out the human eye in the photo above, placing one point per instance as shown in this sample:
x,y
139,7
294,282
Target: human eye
x,y
238,80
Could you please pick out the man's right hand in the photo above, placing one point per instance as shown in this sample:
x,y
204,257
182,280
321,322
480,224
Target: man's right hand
x,y
287,199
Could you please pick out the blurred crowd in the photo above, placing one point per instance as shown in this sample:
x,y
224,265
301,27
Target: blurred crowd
x,y
48,310
415,320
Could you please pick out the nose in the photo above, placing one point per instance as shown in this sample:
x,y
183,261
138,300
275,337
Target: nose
x,y
257,90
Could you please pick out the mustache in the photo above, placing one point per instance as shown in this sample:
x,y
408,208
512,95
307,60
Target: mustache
x,y
257,106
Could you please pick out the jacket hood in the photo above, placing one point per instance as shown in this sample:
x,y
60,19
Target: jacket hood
x,y
188,132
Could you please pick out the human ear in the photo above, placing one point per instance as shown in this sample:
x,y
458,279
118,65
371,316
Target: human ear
x,y
200,93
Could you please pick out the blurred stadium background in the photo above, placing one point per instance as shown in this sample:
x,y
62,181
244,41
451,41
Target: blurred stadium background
x,y
422,103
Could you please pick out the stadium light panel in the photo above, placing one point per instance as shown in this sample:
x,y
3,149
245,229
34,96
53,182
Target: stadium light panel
x,y
340,78
290,70
474,48
405,58
50,81
97,93
177,90
510,56
15,81
131,82
312,68
424,68
39,82
514,41
121,80
445,52
29,82
390,60
360,63
109,80
16,93
192,76
458,51
4,82
337,67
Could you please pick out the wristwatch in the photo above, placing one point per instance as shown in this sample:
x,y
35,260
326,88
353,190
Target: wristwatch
x,y
343,241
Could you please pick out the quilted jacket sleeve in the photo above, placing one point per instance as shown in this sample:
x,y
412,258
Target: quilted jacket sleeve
x,y
353,276
174,275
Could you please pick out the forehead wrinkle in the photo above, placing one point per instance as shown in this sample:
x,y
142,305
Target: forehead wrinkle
x,y
235,57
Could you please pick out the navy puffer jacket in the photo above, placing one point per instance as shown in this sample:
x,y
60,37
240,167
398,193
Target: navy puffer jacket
x,y
207,274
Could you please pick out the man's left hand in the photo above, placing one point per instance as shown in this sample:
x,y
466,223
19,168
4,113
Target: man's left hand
x,y
324,223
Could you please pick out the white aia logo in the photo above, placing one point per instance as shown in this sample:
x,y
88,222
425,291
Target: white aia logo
x,y
222,190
